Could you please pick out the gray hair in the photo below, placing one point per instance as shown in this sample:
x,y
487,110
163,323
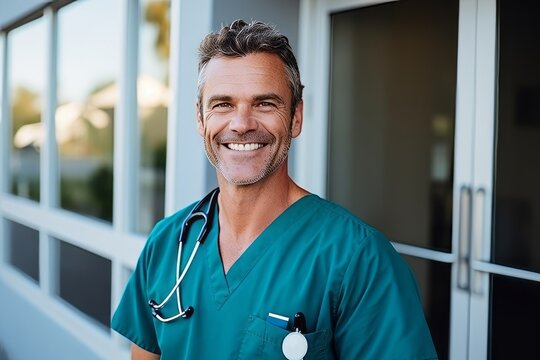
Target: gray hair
x,y
241,39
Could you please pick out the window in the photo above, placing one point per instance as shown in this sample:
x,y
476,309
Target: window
x,y
391,131
23,248
98,72
85,281
88,66
392,115
517,195
27,83
153,97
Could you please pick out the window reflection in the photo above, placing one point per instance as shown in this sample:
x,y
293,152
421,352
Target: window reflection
x,y
517,194
153,97
27,83
433,279
88,60
392,110
88,291
23,248
514,318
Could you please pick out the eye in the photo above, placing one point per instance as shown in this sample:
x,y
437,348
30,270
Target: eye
x,y
265,104
222,105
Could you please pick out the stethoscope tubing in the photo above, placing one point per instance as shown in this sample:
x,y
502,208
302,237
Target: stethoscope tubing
x,y
195,213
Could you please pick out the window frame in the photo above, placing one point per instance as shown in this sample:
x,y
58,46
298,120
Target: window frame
x,y
117,242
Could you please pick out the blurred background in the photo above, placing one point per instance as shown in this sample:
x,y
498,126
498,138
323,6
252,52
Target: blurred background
x,y
422,117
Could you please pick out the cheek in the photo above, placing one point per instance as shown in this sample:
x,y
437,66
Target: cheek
x,y
208,124
276,121
286,122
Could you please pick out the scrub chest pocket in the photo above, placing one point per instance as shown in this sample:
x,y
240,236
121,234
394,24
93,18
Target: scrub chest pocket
x,y
263,341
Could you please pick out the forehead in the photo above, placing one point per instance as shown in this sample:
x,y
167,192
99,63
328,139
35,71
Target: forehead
x,y
253,73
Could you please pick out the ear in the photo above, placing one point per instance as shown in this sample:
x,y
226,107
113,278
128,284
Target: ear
x,y
297,119
200,125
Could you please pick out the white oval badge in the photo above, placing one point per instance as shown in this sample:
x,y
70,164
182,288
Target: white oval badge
x,y
294,346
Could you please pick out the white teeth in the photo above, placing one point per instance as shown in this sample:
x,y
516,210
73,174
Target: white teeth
x,y
244,147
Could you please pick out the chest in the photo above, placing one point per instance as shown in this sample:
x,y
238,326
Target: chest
x,y
231,309
231,249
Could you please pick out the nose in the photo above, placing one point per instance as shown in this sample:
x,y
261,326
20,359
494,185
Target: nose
x,y
243,120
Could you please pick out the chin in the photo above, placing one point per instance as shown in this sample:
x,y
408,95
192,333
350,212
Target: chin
x,y
243,178
239,176
247,176
243,181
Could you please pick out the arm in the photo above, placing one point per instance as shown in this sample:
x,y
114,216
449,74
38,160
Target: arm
x,y
380,315
140,354
132,318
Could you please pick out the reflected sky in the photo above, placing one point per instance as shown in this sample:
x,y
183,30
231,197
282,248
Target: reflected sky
x,y
81,23
85,59
27,42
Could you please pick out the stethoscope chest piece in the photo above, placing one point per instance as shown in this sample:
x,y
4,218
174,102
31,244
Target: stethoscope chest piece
x,y
294,346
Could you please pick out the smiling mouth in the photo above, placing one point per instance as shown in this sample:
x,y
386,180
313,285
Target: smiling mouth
x,y
244,147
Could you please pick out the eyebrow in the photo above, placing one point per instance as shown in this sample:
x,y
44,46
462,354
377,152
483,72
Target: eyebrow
x,y
216,98
261,97
269,96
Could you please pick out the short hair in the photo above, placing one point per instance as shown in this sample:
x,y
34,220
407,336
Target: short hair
x,y
241,39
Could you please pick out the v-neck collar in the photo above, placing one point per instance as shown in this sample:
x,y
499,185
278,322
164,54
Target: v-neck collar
x,y
223,286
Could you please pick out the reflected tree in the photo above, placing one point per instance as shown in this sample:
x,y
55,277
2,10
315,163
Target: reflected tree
x,y
101,187
25,108
157,13
87,175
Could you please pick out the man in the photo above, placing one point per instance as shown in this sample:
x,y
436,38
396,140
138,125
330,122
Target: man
x,y
282,273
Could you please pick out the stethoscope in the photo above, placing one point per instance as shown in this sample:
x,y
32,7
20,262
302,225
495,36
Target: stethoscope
x,y
294,345
196,213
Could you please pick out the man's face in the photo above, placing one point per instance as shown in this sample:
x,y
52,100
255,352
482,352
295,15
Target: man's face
x,y
246,116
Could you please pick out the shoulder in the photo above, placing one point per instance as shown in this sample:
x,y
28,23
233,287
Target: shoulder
x,y
346,226
348,240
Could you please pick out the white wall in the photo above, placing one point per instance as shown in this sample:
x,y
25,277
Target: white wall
x,y
22,321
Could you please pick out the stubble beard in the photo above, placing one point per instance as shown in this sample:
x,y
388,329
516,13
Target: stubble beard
x,y
270,164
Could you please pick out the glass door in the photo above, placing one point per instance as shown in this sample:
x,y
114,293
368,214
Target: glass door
x,y
432,140
392,134
505,263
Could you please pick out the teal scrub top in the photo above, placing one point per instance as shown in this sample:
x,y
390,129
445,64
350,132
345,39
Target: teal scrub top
x,y
358,296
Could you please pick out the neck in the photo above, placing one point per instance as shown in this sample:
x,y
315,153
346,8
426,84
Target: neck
x,y
246,210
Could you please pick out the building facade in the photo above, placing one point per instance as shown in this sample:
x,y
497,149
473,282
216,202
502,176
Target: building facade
x,y
422,117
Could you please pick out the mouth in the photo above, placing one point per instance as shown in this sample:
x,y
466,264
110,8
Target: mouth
x,y
244,147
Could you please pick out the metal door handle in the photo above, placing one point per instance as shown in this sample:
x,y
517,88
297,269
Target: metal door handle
x,y
478,238
464,244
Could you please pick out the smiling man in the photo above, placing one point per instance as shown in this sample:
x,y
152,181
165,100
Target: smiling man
x,y
282,273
